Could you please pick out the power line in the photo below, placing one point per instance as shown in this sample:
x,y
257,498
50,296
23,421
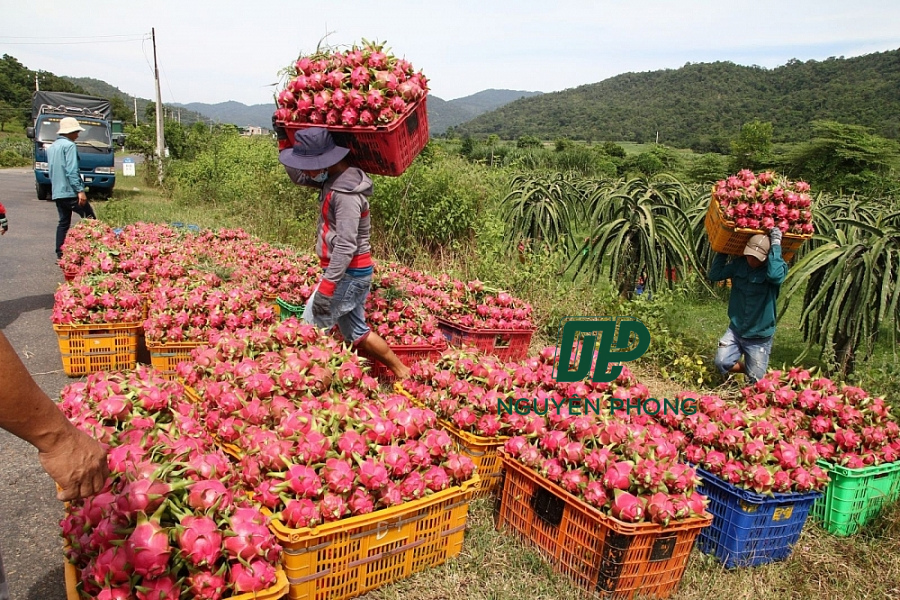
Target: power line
x,y
67,37
70,43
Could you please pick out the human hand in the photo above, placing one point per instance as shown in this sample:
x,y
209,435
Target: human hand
x,y
775,235
77,463
82,198
321,305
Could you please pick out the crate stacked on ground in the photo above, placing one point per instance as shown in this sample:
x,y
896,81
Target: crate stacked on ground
x,y
857,439
606,500
747,204
372,102
362,488
492,320
760,476
173,518
97,322
470,314
482,400
184,312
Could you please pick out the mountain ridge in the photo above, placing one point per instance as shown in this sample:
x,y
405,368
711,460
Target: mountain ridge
x,y
703,105
442,114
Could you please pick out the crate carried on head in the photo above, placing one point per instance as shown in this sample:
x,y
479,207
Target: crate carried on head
x,y
371,101
749,204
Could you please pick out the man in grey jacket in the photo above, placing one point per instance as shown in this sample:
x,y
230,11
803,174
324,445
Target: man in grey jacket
x,y
342,242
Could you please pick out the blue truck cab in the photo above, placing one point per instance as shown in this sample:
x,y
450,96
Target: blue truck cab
x,y
96,148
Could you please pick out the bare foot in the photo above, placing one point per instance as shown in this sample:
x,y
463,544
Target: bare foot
x,y
402,374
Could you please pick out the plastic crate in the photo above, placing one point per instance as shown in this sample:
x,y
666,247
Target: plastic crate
x,y
350,557
855,496
750,529
87,349
483,451
507,344
387,150
165,357
288,310
725,238
408,355
604,555
278,590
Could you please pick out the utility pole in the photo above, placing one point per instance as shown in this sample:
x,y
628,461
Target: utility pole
x,y
135,112
160,140
37,86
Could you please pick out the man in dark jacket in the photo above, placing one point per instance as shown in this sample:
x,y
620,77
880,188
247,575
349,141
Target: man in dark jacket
x,y
342,242
756,279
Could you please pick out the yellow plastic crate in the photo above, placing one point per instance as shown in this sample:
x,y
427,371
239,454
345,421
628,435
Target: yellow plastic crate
x,y
165,357
87,349
481,450
725,238
273,593
348,558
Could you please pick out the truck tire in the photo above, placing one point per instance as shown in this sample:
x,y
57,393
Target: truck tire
x,y
43,191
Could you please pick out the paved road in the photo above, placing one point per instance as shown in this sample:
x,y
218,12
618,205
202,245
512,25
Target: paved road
x,y
29,511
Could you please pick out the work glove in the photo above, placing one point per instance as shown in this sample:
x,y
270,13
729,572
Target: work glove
x,y
775,236
321,305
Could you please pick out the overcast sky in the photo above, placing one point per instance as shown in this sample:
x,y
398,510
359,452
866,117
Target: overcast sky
x,y
218,50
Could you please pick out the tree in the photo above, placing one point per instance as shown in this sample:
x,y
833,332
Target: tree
x,y
645,163
708,168
753,148
613,149
120,110
847,158
528,141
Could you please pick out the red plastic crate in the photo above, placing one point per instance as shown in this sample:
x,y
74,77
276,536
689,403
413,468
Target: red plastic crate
x,y
506,344
387,150
408,355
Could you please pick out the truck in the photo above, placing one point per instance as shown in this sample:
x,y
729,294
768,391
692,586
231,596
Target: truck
x,y
96,149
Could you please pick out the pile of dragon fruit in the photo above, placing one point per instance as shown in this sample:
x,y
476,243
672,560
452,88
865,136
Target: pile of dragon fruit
x,y
172,520
365,86
95,299
470,304
191,284
316,440
764,201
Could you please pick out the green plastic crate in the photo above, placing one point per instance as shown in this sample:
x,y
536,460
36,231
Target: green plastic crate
x,y
290,310
855,496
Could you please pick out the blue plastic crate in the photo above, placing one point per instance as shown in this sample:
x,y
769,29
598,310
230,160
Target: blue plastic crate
x,y
751,529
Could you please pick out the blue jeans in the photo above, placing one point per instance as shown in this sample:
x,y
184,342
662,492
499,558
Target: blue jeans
x,y
347,308
757,351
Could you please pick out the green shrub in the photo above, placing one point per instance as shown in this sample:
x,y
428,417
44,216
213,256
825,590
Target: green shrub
x,y
433,204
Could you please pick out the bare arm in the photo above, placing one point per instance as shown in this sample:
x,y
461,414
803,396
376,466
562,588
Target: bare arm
x,y
73,459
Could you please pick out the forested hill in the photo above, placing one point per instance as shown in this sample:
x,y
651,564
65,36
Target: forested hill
x,y
702,105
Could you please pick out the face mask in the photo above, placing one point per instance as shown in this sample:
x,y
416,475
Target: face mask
x,y
321,177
